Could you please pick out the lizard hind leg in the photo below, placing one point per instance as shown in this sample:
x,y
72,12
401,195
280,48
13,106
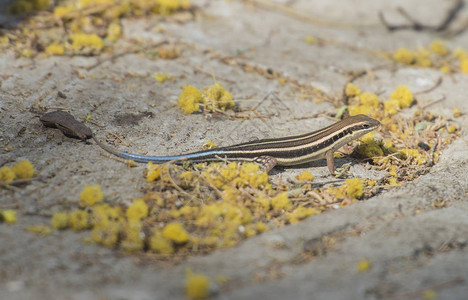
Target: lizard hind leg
x,y
266,163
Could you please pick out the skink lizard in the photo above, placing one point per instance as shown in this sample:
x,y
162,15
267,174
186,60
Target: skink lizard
x,y
286,151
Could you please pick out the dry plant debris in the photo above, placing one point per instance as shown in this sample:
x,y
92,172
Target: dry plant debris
x,y
196,209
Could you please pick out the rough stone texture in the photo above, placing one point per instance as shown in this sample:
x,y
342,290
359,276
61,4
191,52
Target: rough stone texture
x,y
411,246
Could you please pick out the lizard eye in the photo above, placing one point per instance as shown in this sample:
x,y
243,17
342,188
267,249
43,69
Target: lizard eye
x,y
365,126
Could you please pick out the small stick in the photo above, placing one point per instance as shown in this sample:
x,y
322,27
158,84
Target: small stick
x,y
21,181
433,102
417,26
439,82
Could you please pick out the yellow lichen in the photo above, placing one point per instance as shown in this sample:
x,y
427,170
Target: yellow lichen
x,y
83,41
301,213
176,233
170,52
90,195
209,145
456,113
8,216
352,90
197,286
61,11
114,30
451,129
160,77
354,188
137,210
189,99
412,154
59,220
464,65
281,201
305,176
132,240
39,229
79,220
370,149
404,56
391,106
55,49
166,7
310,40
153,172
364,265
429,294
403,96
160,244
216,97
369,99
440,47
7,174
23,169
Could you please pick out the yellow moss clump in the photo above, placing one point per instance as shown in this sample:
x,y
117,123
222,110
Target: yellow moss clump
x,y
216,97
197,286
39,229
301,213
114,30
23,169
440,47
364,265
189,99
107,224
281,201
352,90
369,99
310,40
464,65
55,49
59,220
354,188
176,233
166,7
90,195
370,149
160,77
404,56
80,220
61,11
209,145
132,240
456,113
412,154
159,244
153,172
305,176
83,41
137,210
403,95
7,174
8,216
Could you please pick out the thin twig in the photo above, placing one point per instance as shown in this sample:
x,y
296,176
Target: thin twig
x,y
436,85
21,181
433,102
417,26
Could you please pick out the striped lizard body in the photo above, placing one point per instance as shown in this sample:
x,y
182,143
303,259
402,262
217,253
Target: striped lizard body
x,y
286,151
